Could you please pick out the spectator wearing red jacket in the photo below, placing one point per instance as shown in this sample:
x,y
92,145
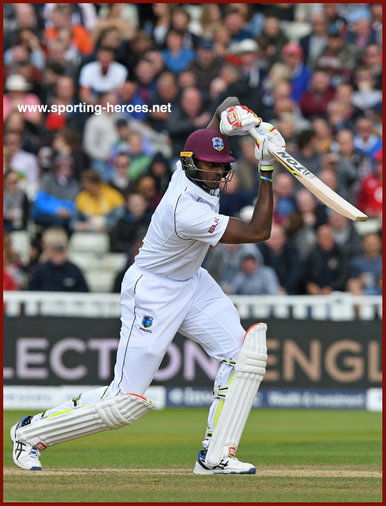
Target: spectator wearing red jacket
x,y
370,193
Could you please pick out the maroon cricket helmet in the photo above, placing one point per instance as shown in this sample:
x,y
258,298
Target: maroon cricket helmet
x,y
209,146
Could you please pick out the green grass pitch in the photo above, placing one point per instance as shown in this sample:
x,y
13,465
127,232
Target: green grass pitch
x,y
300,456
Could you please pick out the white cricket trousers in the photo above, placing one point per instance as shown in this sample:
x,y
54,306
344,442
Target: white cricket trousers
x,y
196,308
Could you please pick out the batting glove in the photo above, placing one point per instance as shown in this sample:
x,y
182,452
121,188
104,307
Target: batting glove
x,y
238,120
269,138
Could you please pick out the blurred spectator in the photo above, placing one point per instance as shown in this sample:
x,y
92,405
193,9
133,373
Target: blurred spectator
x,y
326,267
247,165
315,100
235,198
250,64
312,211
366,95
16,94
23,163
145,73
187,115
98,206
369,198
314,43
63,99
206,65
346,149
176,57
366,139
120,180
323,134
345,173
101,76
181,21
366,268
223,262
339,58
284,196
235,23
221,40
158,28
16,123
24,17
372,60
55,273
254,278
167,93
12,265
140,154
306,152
15,203
115,17
292,55
131,225
29,40
160,171
100,133
345,234
145,186
129,96
333,16
280,254
61,18
360,32
340,115
54,203
271,41
210,19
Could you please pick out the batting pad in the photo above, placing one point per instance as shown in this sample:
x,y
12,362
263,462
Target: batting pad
x,y
107,414
249,371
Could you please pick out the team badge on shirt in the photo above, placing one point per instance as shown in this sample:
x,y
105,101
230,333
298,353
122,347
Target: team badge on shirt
x,y
218,143
147,321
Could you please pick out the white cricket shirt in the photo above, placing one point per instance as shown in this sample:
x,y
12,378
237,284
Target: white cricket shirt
x,y
184,225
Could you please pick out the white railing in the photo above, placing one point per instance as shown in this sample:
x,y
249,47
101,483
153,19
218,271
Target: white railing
x,y
338,306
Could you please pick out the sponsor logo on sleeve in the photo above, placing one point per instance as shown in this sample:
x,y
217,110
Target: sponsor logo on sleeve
x,y
213,227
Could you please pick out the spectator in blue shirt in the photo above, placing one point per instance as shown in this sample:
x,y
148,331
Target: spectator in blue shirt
x,y
366,269
176,57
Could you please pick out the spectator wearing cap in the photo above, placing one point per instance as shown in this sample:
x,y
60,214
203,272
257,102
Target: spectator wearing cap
x,y
361,32
206,65
366,138
15,203
339,57
17,94
300,74
61,18
314,43
370,192
98,206
176,57
23,163
315,100
250,64
54,272
54,204
101,76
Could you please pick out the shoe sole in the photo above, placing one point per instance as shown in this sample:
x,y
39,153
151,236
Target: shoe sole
x,y
12,433
201,471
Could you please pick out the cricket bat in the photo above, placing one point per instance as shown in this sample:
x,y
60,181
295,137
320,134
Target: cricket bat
x,y
323,192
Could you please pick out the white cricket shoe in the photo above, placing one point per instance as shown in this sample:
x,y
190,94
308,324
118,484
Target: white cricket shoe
x,y
229,465
24,455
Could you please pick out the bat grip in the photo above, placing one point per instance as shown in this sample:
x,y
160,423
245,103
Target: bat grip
x,y
254,132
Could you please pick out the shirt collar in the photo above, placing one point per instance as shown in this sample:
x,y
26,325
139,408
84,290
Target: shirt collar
x,y
212,199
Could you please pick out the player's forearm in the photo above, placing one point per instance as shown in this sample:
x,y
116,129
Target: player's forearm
x,y
259,227
214,123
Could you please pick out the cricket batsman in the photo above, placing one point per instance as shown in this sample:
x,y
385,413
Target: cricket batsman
x,y
167,291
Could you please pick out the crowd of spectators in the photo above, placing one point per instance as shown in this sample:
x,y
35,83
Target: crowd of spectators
x,y
314,70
